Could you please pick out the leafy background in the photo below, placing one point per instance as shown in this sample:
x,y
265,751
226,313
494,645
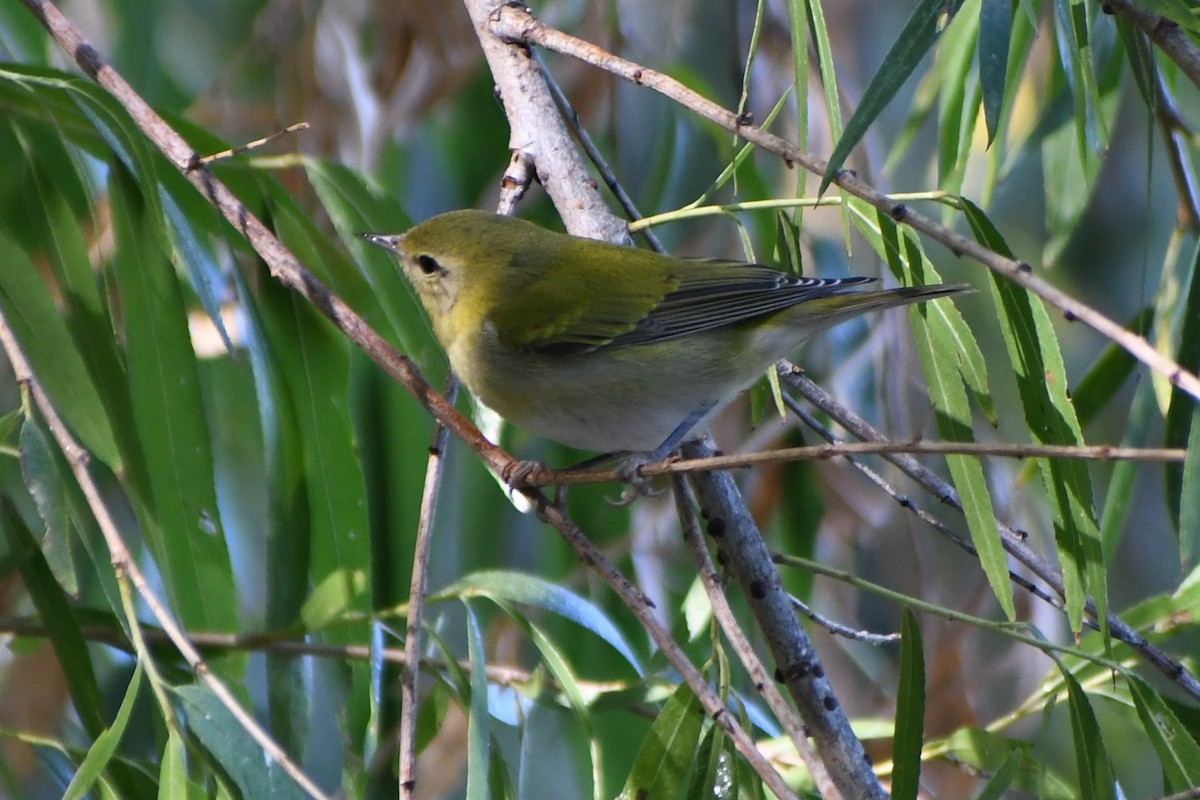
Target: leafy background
x,y
269,476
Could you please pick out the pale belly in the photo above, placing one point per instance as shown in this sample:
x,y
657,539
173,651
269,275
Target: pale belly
x,y
629,399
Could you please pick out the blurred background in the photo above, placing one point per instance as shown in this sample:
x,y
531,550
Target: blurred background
x,y
404,124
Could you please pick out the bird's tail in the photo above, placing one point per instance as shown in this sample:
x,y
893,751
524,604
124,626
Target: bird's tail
x,y
840,306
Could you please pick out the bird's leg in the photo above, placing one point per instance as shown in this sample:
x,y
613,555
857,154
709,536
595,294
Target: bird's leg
x,y
629,470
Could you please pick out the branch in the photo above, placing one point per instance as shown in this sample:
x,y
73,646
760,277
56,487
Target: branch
x,y
820,452
763,682
742,549
518,25
1170,38
434,469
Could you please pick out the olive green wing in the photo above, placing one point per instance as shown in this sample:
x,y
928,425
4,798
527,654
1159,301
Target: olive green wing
x,y
713,294
559,310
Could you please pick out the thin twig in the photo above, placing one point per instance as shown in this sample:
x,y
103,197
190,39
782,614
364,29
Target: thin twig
x,y
125,565
845,631
762,680
517,24
1014,541
1102,452
115,637
434,469
199,160
909,505
571,117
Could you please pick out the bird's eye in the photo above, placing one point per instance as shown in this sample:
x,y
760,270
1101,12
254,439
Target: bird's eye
x,y
428,264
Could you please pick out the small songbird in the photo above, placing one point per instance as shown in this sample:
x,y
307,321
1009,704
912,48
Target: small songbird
x,y
611,348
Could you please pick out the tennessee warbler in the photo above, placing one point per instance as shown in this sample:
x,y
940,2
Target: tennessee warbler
x,y
611,348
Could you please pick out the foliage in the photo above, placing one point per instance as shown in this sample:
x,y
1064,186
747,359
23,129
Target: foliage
x,y
269,478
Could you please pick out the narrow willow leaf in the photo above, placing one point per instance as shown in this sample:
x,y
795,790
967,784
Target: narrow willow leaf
x,y
1177,429
185,531
288,529
353,206
1096,781
1189,495
939,358
105,746
995,35
519,587
479,754
191,225
55,361
173,780
913,43
1002,778
1041,382
1118,502
232,748
51,496
910,712
1108,374
1177,750
312,360
54,612
662,765
988,751
958,101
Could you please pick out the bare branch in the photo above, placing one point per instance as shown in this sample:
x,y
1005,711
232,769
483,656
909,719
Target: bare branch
x,y
745,553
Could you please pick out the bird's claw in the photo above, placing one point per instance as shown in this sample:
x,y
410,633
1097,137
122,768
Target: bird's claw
x,y
517,473
630,471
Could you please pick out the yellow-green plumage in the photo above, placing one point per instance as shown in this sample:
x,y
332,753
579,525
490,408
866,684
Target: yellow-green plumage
x,y
605,347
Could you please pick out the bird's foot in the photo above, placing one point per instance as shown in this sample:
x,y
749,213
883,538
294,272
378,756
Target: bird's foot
x,y
629,471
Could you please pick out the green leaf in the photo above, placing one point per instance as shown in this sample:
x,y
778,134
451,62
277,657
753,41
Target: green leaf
x,y
1189,491
51,495
1002,778
105,746
54,612
173,780
184,525
910,712
56,363
939,354
995,35
958,100
518,587
312,359
1108,374
233,749
668,751
1183,407
1042,384
1177,751
914,41
987,751
479,754
1096,779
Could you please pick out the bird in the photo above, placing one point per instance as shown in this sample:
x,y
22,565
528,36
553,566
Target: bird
x,y
609,348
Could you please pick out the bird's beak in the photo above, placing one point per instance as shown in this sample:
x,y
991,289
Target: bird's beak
x,y
388,241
